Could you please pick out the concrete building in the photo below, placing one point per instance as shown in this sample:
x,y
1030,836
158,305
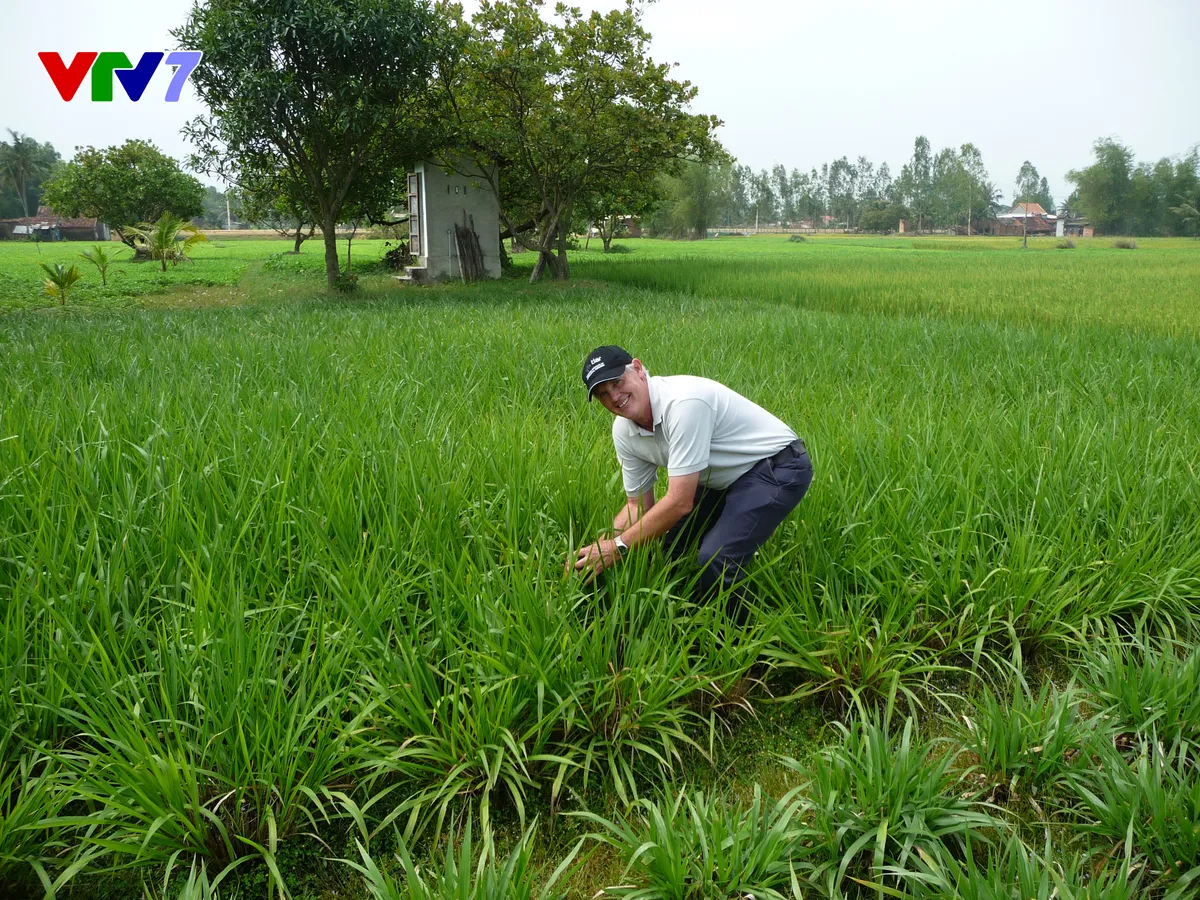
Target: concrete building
x,y
440,198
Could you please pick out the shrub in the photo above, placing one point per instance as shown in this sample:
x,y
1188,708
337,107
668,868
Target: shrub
x,y
347,283
1125,244
1065,244
797,239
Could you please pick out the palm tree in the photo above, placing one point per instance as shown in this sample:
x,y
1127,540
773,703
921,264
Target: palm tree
x,y
22,161
168,239
1189,211
58,285
101,259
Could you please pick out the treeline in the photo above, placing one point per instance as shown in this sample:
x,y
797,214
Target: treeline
x,y
932,190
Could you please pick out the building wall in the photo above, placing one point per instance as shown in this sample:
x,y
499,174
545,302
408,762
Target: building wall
x,y
446,197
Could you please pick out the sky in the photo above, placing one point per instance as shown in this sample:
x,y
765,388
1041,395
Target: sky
x,y
795,82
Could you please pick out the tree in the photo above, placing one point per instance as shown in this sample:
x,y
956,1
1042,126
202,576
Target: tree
x,y
915,184
697,198
332,91
134,182
556,113
101,259
1104,186
783,190
167,239
23,164
61,279
276,200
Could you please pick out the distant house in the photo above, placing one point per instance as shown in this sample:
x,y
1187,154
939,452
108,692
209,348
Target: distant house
x,y
48,225
1074,226
1025,211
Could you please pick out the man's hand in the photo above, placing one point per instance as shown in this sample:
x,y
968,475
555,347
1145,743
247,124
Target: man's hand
x,y
594,558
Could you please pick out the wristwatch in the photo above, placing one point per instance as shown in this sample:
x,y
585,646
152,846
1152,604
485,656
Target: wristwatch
x,y
622,547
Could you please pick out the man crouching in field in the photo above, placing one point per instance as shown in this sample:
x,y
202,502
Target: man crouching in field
x,y
734,471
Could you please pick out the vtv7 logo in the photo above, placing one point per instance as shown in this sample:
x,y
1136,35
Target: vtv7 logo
x,y
133,78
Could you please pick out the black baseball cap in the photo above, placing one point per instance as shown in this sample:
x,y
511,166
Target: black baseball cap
x,y
604,364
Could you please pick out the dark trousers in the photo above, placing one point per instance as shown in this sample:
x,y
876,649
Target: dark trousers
x,y
730,525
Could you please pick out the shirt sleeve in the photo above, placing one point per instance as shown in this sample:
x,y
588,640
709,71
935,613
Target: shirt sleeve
x,y
689,437
639,474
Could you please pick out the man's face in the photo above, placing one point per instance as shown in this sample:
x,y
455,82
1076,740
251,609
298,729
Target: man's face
x,y
627,396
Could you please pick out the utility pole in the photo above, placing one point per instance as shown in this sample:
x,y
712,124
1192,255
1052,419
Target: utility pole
x,y
228,223
1025,228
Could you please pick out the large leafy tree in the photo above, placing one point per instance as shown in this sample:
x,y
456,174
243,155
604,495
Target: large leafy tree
x,y
915,184
135,182
556,112
331,92
1104,186
24,163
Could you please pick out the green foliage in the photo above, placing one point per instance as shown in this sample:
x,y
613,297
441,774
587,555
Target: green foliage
x,y
167,239
1065,244
699,845
1017,873
321,104
573,112
123,185
24,164
1024,745
1146,812
1125,244
460,875
878,804
1146,686
61,279
101,259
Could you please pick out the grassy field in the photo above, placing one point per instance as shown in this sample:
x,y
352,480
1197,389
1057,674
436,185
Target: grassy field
x,y
281,580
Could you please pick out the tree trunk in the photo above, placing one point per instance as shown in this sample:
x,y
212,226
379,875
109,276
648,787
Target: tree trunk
x,y
329,227
539,266
607,237
562,271
299,237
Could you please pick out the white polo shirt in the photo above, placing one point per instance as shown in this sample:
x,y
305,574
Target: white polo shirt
x,y
699,426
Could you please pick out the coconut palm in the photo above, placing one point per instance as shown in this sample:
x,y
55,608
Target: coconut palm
x,y
58,285
101,259
22,161
1189,211
167,239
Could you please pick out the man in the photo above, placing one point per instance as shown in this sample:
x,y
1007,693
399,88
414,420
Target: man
x,y
734,471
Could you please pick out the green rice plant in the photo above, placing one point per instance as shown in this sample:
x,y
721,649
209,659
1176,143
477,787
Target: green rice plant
x,y
856,651
1025,746
1146,812
460,875
33,790
698,845
877,803
61,279
1014,872
1145,685
216,740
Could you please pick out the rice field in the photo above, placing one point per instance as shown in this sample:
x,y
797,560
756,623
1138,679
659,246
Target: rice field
x,y
284,609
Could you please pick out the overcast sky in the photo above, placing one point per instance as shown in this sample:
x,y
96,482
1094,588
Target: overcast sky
x,y
798,83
